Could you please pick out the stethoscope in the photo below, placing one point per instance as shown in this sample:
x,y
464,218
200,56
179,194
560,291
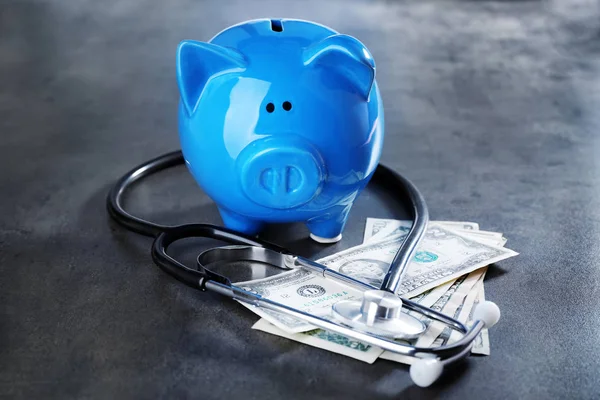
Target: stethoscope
x,y
376,320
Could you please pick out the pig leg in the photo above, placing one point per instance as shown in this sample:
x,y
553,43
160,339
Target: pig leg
x,y
328,228
239,223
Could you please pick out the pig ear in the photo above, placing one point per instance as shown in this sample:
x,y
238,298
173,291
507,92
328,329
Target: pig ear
x,y
197,63
346,56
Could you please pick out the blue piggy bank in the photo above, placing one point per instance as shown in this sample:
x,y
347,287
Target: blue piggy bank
x,y
280,121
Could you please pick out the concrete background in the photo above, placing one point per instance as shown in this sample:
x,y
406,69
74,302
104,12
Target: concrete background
x,y
492,109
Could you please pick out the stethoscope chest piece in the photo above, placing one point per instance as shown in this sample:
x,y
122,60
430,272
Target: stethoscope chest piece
x,y
380,313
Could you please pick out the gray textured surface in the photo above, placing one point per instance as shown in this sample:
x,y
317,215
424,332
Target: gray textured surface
x,y
492,109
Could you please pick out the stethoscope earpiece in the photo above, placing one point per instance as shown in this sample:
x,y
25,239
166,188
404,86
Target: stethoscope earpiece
x,y
425,371
487,312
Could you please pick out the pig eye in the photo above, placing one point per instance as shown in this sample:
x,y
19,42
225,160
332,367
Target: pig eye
x,y
270,107
287,106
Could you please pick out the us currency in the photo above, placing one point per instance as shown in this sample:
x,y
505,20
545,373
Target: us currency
x,y
302,290
382,229
385,227
436,298
497,239
429,297
340,344
482,342
441,256
452,306
443,298
461,314
310,293
437,305
375,225
448,302
326,340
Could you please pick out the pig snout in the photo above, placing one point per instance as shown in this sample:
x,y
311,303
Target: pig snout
x,y
281,172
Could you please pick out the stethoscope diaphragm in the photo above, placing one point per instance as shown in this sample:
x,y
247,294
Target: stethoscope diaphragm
x,y
379,313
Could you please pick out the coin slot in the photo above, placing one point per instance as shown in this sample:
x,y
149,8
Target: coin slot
x,y
276,25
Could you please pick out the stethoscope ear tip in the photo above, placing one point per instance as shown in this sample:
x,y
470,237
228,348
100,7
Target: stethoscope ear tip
x,y
487,312
424,372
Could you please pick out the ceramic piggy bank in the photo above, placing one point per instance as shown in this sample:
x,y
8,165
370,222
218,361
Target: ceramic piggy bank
x,y
280,121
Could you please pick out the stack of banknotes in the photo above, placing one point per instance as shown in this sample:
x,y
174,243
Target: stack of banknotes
x,y
446,274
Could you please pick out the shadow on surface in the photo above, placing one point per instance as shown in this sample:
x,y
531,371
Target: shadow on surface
x,y
494,272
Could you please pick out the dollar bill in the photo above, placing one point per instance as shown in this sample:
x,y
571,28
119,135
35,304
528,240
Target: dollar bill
x,y
441,256
326,340
302,290
340,344
486,234
294,287
461,299
350,347
378,229
452,303
462,225
396,227
482,341
436,278
429,297
435,298
481,344
438,305
492,237
374,225
487,239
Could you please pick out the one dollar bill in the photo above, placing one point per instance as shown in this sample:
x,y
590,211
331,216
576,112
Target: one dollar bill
x,y
461,299
442,255
375,225
451,299
302,290
379,230
437,299
326,340
340,344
